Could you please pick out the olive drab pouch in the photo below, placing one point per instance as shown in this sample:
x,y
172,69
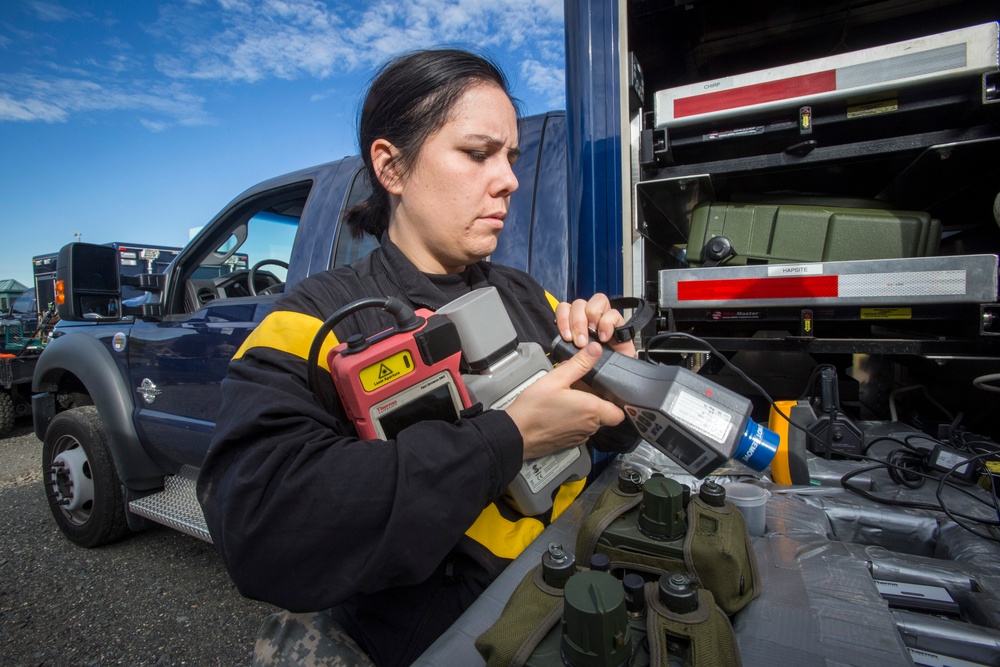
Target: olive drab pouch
x,y
665,570
718,550
534,608
587,622
685,626
615,501
658,527
597,619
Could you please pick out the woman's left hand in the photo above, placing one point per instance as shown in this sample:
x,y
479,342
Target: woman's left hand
x,y
576,320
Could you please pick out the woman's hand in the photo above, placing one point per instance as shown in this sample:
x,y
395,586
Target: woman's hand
x,y
576,320
553,416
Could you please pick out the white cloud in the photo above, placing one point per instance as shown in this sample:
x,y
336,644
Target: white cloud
x,y
547,80
289,39
52,100
199,41
275,38
153,125
51,11
29,109
321,95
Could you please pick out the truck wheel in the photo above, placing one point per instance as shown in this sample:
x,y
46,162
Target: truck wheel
x,y
80,478
6,413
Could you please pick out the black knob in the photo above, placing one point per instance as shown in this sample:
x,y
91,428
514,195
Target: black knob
x,y
356,343
678,592
600,563
635,597
717,250
629,480
558,565
712,493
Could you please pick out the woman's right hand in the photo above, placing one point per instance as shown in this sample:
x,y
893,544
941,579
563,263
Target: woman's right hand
x,y
553,416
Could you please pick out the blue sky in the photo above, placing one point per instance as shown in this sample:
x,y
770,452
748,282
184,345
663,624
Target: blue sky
x,y
136,121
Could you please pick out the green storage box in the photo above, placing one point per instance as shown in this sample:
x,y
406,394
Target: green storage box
x,y
782,233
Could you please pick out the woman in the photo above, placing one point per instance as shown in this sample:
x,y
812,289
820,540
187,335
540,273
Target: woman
x,y
394,539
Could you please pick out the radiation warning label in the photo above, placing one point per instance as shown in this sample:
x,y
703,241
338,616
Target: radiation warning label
x,y
385,371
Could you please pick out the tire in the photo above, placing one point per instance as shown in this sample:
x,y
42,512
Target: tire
x,y
7,413
80,479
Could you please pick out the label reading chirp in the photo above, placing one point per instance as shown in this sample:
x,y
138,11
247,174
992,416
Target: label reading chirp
x,y
701,416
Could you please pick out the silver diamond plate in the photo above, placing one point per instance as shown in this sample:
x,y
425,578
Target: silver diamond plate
x,y
176,506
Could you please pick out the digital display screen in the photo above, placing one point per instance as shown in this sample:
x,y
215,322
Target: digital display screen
x,y
699,461
435,404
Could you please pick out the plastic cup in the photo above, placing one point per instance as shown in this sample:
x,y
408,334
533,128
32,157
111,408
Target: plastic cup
x,y
751,500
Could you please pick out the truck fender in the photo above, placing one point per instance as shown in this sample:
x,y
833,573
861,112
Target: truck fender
x,y
86,357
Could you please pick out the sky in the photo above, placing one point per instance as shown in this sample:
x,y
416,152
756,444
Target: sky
x,y
137,121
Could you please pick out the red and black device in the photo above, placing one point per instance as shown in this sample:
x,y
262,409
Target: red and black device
x,y
394,378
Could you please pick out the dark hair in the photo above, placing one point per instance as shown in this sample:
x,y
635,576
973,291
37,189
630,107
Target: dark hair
x,y
410,98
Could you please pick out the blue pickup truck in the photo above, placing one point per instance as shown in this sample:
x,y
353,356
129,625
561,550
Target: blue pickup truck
x,y
125,405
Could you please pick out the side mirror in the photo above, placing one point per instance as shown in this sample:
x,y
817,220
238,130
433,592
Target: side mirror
x,y
88,283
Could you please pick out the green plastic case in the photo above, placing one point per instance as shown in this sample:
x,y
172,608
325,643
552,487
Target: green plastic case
x,y
783,233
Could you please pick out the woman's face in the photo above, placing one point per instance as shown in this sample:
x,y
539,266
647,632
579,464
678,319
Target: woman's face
x,y
450,206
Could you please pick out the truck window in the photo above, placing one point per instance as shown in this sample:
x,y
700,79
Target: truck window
x,y
246,254
269,235
24,305
348,248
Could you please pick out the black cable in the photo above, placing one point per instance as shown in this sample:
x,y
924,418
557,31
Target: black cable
x,y
953,434
904,467
811,382
402,313
912,504
881,438
906,441
941,505
970,445
993,496
746,378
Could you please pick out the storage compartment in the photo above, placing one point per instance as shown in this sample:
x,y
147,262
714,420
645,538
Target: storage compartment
x,y
810,133
898,165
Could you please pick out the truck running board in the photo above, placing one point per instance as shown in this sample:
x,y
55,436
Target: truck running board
x,y
176,505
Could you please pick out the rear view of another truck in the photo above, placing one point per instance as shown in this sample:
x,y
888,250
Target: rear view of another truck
x,y
22,333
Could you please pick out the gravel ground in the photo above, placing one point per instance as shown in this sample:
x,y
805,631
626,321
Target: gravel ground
x,y
155,598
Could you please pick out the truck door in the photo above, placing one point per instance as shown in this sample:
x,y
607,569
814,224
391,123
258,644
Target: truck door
x,y
223,284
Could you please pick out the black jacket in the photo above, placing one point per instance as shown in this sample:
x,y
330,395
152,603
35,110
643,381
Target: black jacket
x,y
307,516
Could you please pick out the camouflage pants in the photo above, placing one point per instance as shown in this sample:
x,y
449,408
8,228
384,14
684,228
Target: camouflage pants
x,y
306,640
